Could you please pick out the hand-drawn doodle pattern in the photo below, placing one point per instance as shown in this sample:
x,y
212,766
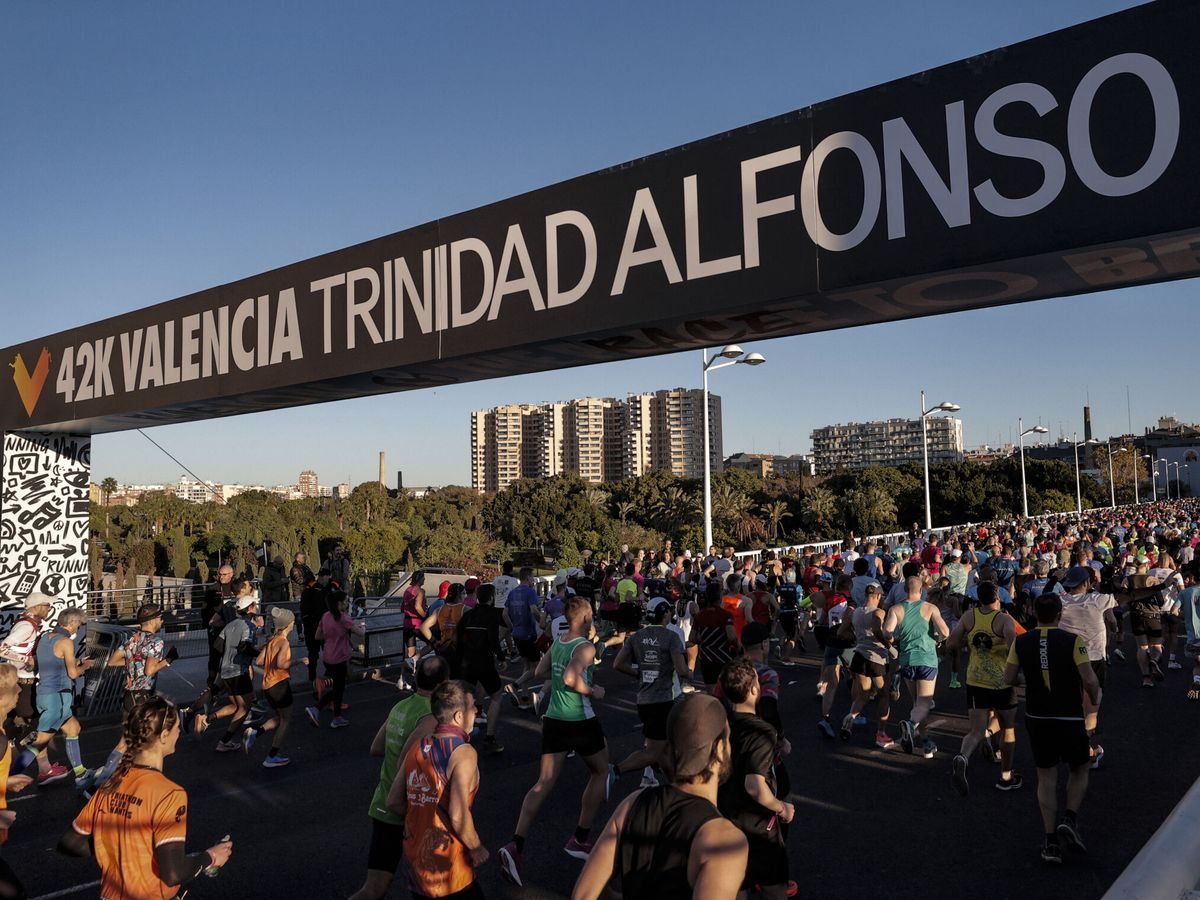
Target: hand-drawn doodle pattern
x,y
44,519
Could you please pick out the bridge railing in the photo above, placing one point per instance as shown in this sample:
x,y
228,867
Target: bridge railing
x,y
1168,866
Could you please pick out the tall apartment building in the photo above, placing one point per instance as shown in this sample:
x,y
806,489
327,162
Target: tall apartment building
x,y
309,485
858,445
598,438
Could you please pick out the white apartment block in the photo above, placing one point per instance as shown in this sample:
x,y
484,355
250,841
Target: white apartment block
x,y
858,445
598,438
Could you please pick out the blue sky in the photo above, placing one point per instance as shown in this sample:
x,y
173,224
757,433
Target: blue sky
x,y
151,150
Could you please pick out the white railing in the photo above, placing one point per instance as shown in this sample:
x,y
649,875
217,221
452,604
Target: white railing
x,y
1168,866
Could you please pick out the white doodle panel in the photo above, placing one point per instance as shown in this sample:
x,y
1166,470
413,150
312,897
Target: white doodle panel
x,y
44,520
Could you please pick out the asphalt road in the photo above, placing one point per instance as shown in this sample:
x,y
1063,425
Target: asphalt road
x,y
869,822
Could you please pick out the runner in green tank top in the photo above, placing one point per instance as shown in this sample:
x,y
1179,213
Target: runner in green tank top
x,y
913,625
570,724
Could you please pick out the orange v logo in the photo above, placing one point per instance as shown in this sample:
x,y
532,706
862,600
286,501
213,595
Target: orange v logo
x,y
30,386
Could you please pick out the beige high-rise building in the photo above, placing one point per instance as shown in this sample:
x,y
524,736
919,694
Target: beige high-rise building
x,y
598,438
308,484
858,445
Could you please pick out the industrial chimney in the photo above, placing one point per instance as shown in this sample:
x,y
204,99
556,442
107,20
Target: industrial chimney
x,y
382,482
1088,459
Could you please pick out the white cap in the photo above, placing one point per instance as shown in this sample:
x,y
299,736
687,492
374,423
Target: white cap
x,y
956,552
244,603
37,598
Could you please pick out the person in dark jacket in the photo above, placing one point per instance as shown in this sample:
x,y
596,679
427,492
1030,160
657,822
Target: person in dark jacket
x,y
300,577
314,603
275,582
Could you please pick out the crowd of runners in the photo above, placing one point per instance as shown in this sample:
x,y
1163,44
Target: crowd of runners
x,y
1028,613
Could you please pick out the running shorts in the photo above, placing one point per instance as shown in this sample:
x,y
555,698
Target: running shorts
x,y
1057,740
629,617
528,649
410,637
999,699
1192,649
919,673
787,621
130,699
710,669
482,672
837,656
239,685
54,709
1146,626
860,665
653,717
279,695
387,847
26,707
584,736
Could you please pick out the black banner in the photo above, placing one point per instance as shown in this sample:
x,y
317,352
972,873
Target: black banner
x,y
1056,166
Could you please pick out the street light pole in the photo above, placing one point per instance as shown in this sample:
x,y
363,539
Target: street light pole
x,y
1153,478
733,355
1112,488
1078,492
1178,486
944,406
1133,458
1021,432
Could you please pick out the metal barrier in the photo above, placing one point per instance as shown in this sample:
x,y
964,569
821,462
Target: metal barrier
x,y
1168,866
103,687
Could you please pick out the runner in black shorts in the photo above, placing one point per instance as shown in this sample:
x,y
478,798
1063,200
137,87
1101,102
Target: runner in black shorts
x,y
479,643
1057,673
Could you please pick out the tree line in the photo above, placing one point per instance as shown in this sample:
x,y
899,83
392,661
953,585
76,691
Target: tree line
x,y
561,518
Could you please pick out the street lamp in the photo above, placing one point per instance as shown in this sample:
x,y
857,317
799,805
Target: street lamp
x,y
733,355
1078,489
1178,486
1166,478
1185,466
1153,478
944,406
1036,429
1112,488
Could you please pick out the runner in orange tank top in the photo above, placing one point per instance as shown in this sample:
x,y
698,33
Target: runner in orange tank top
x,y
434,791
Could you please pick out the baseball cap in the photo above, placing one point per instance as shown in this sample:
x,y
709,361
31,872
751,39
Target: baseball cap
x,y
694,724
472,585
754,633
956,552
560,577
826,578
1076,576
148,612
244,603
283,617
37,598
760,578
658,609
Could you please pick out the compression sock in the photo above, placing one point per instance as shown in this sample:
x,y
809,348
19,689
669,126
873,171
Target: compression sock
x,y
1069,816
73,754
581,834
110,766
43,761
520,842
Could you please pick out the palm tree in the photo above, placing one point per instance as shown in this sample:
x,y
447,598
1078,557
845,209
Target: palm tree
x,y
818,507
598,497
775,512
107,486
672,508
872,509
624,508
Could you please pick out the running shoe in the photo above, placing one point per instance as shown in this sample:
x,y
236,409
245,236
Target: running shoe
x,y
907,736
248,739
85,782
884,742
491,745
319,687
611,781
314,715
793,889
1174,664
1119,654
860,720
1097,755
1068,833
481,718
847,730
1193,692
1013,784
228,746
1156,670
1052,853
825,728
928,749
1147,683
276,762
648,779
339,722
510,864
579,849
56,772
895,688
954,682
958,771
988,752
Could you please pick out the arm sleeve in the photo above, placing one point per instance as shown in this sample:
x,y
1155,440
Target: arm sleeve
x,y
175,866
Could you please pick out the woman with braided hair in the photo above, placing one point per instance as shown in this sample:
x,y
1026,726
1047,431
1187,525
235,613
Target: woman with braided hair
x,y
136,823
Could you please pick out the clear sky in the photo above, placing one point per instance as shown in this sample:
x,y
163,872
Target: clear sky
x,y
151,150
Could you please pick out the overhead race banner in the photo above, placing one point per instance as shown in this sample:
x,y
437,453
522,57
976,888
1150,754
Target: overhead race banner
x,y
1057,166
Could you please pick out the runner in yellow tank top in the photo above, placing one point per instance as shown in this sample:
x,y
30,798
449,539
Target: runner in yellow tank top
x,y
987,632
